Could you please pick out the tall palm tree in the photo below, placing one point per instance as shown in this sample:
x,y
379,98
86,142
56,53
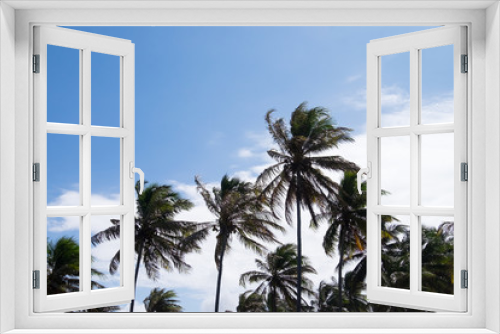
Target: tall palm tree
x,y
346,214
277,275
161,300
298,179
157,233
239,212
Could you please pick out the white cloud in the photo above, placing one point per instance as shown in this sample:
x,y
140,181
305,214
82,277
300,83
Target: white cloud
x,y
245,153
353,78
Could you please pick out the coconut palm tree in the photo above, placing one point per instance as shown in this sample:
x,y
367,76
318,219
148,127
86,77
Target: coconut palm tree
x,y
277,275
298,178
346,214
250,301
161,300
157,233
239,212
63,270
63,266
437,258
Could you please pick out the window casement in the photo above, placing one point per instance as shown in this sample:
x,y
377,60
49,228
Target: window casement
x,y
84,133
427,140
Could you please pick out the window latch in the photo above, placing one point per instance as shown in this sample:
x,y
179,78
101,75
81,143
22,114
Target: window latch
x,y
367,171
132,171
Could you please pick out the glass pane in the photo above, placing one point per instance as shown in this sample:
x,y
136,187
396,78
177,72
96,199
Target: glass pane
x,y
105,171
63,85
437,170
63,255
437,85
395,170
395,94
63,170
105,253
437,254
105,90
395,241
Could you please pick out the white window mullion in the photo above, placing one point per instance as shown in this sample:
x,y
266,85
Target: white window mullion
x,y
414,171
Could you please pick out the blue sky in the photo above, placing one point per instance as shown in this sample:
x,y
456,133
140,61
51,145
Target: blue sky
x,y
201,95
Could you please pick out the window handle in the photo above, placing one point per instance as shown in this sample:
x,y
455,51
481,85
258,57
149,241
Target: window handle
x,y
139,171
367,171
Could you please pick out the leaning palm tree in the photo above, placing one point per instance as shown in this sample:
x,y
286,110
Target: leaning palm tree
x,y
157,233
161,300
240,212
298,178
277,275
346,214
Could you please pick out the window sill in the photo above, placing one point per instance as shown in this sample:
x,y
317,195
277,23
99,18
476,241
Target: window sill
x,y
251,331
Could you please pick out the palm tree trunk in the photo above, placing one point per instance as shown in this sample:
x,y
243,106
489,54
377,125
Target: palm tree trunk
x,y
139,255
275,308
219,276
299,247
341,265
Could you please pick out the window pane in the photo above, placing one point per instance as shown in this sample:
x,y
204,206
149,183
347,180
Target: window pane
x,y
437,254
105,171
63,255
395,241
105,253
63,85
437,169
63,170
105,90
395,90
437,85
395,170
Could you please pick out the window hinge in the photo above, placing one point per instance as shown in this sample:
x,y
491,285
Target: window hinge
x,y
36,172
465,64
36,279
464,172
465,279
36,63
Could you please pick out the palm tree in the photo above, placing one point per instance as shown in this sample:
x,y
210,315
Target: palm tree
x,y
437,258
63,266
298,176
161,300
277,275
157,234
239,211
250,301
63,270
346,214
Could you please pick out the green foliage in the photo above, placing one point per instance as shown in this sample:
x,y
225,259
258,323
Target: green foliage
x,y
276,276
161,300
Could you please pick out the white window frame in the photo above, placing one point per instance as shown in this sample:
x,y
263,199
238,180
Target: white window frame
x,y
16,125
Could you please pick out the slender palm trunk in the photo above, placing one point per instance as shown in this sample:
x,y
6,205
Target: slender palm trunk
x,y
275,308
139,255
341,265
219,276
299,248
